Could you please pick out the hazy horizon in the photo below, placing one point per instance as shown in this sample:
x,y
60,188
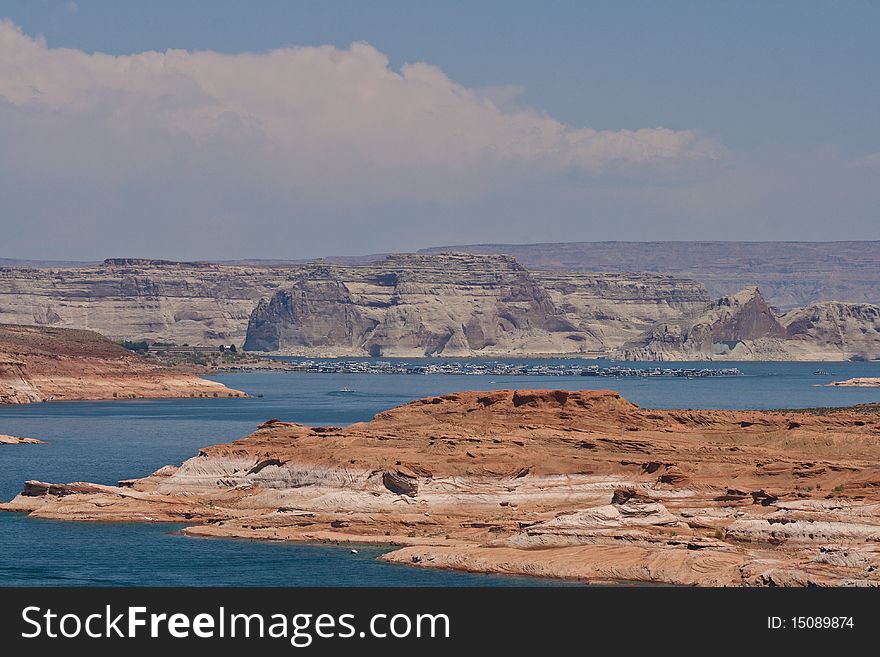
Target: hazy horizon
x,y
289,131
451,248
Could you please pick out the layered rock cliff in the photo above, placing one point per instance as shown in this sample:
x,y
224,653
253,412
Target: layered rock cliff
x,y
744,327
832,328
541,482
181,303
429,305
458,305
44,364
414,305
790,274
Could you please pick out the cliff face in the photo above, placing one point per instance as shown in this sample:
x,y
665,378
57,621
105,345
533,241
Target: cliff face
x,y
428,305
457,305
196,304
541,482
790,274
317,310
743,327
850,328
43,364
412,305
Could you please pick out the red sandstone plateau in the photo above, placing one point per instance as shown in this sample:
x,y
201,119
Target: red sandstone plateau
x,y
580,485
50,364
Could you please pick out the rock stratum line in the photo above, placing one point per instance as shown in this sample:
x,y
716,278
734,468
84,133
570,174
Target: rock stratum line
x,y
554,483
53,364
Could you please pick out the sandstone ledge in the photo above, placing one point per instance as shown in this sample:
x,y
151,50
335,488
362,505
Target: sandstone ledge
x,y
580,485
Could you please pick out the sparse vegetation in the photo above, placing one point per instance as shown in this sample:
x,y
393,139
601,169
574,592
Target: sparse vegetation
x,y
139,347
831,410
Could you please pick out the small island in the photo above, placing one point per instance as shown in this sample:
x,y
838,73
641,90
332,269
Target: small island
x,y
857,382
14,440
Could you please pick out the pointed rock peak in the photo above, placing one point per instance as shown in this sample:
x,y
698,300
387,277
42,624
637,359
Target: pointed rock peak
x,y
744,296
744,316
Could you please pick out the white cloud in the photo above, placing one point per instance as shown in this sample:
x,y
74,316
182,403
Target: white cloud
x,y
314,122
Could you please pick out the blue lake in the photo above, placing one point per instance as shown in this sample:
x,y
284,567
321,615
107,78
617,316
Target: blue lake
x,y
107,441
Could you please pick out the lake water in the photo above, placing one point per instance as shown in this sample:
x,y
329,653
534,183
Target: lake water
x,y
107,441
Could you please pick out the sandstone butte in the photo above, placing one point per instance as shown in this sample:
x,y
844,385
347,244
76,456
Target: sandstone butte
x,y
581,485
50,364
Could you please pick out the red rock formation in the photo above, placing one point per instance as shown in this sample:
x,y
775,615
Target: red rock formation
x,y
43,364
546,482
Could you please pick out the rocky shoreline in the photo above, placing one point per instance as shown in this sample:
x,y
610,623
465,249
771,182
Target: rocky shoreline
x,y
580,485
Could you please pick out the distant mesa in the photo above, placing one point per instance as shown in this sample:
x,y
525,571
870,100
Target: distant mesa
x,y
790,274
149,262
473,304
153,262
413,307
462,305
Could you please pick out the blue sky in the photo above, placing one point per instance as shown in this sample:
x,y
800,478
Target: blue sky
x,y
773,109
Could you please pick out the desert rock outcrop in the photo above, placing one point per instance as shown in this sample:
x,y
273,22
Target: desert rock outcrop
x,y
452,305
790,274
43,364
456,305
743,327
448,303
541,482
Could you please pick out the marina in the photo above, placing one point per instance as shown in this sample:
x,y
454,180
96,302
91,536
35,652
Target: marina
x,y
500,368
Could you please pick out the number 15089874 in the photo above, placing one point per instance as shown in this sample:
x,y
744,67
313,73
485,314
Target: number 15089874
x,y
810,623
